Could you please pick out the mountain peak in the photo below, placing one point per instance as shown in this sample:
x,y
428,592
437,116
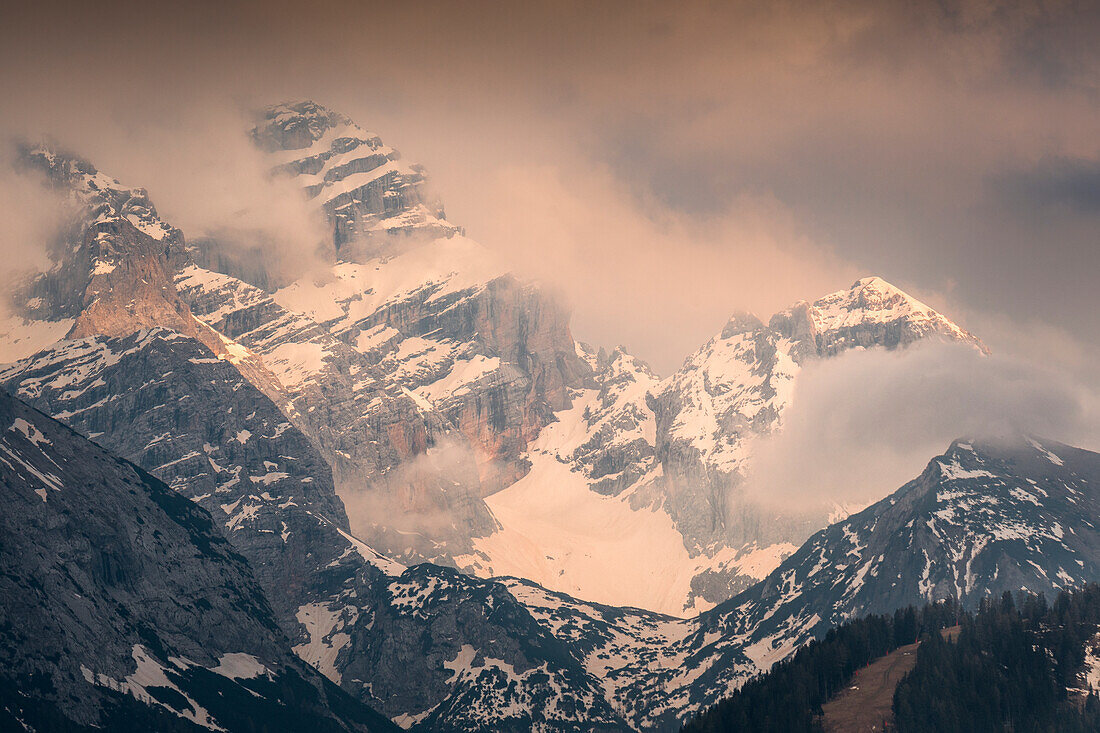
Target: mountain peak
x,y
364,188
874,306
741,322
299,124
872,281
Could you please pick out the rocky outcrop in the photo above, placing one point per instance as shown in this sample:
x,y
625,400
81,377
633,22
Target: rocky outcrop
x,y
433,309
364,188
617,453
125,608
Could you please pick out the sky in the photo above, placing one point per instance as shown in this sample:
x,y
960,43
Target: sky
x,y
658,165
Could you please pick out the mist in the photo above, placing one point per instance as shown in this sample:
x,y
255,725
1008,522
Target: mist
x,y
700,159
660,166
865,422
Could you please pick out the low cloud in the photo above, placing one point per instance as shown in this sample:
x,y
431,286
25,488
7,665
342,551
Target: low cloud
x,y
197,162
33,217
864,423
640,274
425,502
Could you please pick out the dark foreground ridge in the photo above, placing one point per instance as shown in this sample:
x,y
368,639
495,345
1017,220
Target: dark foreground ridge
x,y
1016,664
126,609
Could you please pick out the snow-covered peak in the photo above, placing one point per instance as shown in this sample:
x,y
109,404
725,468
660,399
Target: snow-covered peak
x,y
298,125
109,201
738,385
858,315
364,187
870,299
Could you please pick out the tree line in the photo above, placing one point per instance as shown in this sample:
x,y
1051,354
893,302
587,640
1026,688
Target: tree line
x,y
1016,665
1012,668
790,696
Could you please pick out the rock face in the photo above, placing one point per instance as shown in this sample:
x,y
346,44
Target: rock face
x,y
647,474
618,451
125,608
163,401
434,310
390,456
983,518
426,644
363,186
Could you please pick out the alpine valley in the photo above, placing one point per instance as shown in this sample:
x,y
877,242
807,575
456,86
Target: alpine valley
x,y
379,490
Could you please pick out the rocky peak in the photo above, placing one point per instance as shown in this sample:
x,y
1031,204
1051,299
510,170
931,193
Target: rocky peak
x,y
114,265
111,205
297,125
871,312
116,227
739,323
362,186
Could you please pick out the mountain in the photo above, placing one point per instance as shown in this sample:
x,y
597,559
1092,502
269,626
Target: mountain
x,y
438,408
735,390
645,475
983,518
448,396
126,608
163,398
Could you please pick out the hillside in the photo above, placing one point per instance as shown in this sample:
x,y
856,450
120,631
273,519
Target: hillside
x,y
125,607
1014,664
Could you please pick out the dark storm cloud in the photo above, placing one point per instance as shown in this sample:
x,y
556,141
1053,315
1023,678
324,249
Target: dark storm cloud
x,y
1073,183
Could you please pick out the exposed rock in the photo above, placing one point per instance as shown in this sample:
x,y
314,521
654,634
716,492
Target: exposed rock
x,y
125,608
433,309
736,388
363,187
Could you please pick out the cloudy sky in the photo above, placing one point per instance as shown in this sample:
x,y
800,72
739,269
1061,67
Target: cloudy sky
x,y
660,164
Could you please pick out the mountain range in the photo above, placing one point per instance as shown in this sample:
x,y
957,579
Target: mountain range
x,y
419,471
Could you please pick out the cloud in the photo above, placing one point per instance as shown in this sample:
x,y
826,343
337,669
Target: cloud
x,y
33,215
865,422
426,502
641,274
1054,181
766,148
